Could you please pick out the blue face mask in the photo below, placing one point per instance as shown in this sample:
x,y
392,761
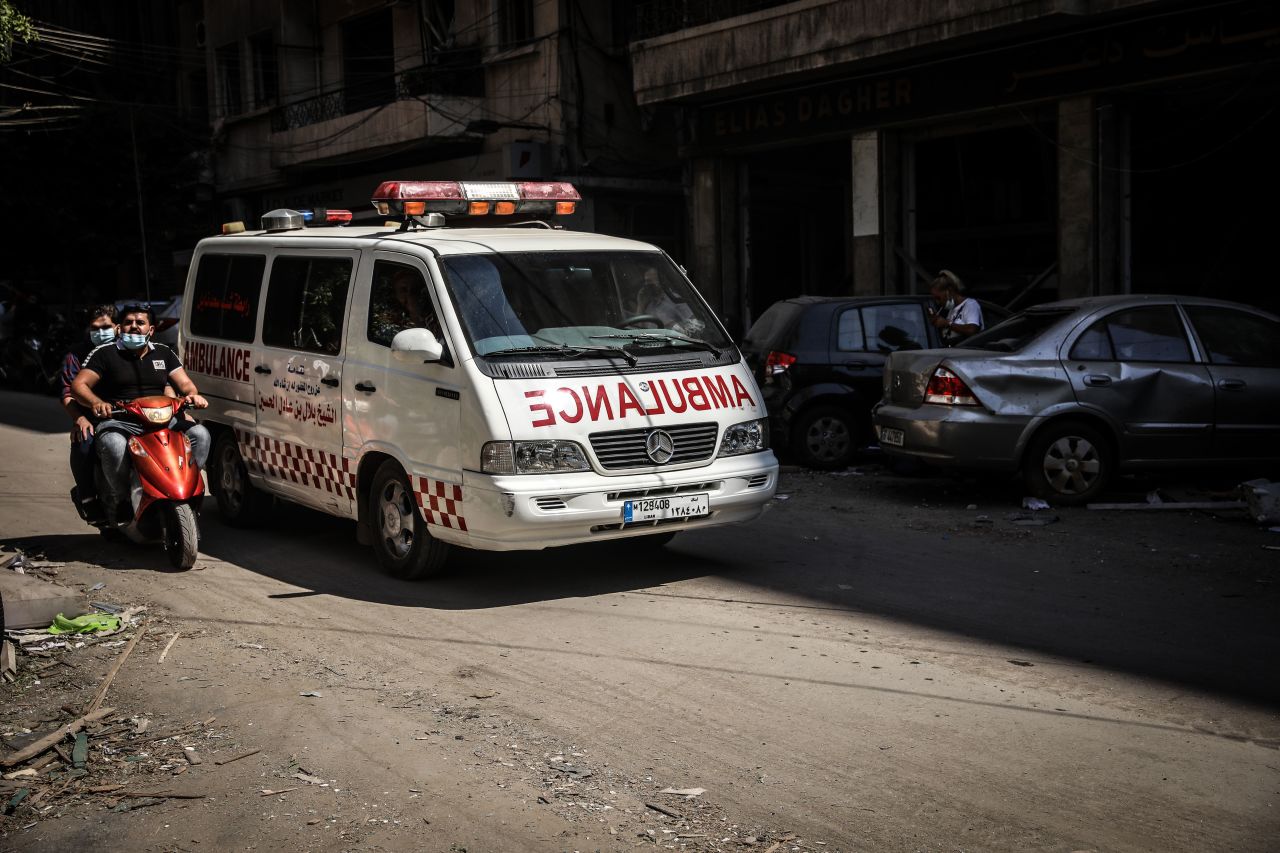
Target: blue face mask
x,y
134,342
98,337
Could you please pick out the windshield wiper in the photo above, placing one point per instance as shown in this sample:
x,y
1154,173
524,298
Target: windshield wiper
x,y
567,350
650,337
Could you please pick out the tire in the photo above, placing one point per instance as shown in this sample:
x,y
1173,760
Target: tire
x,y
240,502
401,538
1068,463
181,535
824,437
111,534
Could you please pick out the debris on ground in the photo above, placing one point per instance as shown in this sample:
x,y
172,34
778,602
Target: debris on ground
x,y
1262,498
28,602
89,623
1023,520
1035,504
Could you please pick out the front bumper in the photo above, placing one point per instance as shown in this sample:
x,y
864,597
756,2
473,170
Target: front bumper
x,y
530,512
954,436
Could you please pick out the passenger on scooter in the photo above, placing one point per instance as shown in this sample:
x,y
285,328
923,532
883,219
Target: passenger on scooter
x,y
128,368
102,330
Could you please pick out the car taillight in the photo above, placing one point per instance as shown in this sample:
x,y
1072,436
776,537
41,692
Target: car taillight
x,y
949,390
778,362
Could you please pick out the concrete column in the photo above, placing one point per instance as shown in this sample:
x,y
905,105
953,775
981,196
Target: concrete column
x,y
714,223
1113,198
865,180
1077,194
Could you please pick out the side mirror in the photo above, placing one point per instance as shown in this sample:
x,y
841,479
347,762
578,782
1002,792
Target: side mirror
x,y
418,345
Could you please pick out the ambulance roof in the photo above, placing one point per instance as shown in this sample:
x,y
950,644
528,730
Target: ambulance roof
x,y
445,241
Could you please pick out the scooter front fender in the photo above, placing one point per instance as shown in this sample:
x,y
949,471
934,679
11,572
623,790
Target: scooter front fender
x,y
165,468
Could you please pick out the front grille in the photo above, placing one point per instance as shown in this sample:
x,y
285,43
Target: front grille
x,y
624,448
662,522
656,491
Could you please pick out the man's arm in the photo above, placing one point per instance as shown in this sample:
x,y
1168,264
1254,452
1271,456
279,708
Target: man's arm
x,y
179,379
82,390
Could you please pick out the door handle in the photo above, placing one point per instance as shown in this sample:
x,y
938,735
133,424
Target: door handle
x,y
262,368
1097,380
367,387
1231,384
331,381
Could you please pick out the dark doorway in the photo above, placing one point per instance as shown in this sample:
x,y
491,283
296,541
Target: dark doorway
x,y
1204,175
798,223
986,206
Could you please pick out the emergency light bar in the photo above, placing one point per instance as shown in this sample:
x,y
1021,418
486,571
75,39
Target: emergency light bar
x,y
472,198
326,216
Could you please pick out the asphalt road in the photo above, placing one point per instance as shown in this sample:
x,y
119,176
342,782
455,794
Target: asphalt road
x,y
868,667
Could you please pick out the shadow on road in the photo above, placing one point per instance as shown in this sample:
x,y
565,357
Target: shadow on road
x,y
320,555
33,412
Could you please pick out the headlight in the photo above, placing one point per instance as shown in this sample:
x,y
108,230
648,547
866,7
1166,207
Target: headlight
x,y
532,457
159,415
746,437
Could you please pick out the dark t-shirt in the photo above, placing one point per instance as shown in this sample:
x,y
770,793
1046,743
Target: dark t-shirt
x,y
124,376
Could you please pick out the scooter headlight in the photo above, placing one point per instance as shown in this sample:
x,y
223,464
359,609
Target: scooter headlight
x,y
159,415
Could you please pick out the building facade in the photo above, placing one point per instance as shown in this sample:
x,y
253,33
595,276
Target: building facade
x,y
1040,148
313,103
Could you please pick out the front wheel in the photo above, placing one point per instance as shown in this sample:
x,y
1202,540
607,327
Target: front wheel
x,y
401,538
181,535
240,502
1068,463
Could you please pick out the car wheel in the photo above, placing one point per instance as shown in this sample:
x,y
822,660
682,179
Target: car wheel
x,y
240,502
824,437
401,536
1068,463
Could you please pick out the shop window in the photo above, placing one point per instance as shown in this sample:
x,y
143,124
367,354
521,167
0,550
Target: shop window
x,y
225,298
306,304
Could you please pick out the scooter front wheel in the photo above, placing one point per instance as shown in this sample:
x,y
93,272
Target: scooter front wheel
x,y
181,535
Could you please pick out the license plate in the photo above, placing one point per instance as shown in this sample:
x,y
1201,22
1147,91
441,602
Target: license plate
x,y
890,436
657,509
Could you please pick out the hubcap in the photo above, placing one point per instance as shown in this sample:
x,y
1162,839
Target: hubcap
x,y
827,439
1072,465
395,509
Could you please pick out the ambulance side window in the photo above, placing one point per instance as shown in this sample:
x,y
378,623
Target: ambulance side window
x,y
399,300
306,301
225,297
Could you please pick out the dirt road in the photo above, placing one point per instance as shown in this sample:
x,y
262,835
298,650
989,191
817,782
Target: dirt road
x,y
869,667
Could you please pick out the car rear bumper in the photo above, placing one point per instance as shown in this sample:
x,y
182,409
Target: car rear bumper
x,y
954,436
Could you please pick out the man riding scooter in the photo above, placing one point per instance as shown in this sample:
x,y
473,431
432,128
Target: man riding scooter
x,y
133,367
101,330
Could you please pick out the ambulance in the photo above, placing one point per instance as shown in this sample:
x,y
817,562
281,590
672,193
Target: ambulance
x,y
502,384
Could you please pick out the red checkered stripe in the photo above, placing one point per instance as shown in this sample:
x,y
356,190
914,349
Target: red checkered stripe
x,y
441,502
305,466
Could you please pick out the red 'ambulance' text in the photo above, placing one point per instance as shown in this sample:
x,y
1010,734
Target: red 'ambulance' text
x,y
606,402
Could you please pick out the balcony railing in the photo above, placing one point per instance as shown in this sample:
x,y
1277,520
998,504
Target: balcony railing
x,y
659,17
463,76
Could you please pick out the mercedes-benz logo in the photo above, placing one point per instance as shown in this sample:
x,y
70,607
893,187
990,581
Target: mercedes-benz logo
x,y
660,447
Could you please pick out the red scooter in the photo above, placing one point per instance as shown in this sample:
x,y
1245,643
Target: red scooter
x,y
165,486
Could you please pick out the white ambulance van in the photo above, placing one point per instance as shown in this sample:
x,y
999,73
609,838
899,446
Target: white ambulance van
x,y
499,388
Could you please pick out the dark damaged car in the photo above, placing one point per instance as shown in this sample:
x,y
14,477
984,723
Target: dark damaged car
x,y
1072,393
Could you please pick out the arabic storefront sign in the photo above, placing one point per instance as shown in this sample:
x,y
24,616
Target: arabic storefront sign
x,y
1101,60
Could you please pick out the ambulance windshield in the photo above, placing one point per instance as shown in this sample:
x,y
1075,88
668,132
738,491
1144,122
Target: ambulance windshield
x,y
581,303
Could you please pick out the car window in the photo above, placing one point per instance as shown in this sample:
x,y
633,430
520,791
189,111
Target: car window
x,y
890,328
1016,332
849,331
1152,333
225,296
306,301
774,324
399,300
1094,345
1237,337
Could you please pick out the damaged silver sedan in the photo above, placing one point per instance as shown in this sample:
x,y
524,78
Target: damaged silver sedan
x,y
1072,392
